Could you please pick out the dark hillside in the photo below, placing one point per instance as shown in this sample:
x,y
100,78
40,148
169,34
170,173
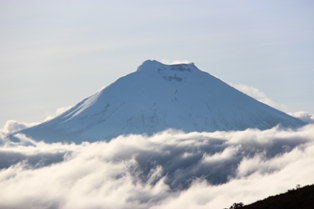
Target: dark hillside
x,y
300,198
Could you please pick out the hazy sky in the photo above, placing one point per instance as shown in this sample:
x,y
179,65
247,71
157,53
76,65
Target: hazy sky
x,y
55,53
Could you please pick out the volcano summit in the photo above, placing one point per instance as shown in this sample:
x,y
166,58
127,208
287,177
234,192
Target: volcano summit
x,y
158,97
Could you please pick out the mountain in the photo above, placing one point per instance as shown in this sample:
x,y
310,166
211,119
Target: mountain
x,y
300,198
158,97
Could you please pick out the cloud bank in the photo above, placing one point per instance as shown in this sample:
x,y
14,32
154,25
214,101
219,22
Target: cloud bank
x,y
168,170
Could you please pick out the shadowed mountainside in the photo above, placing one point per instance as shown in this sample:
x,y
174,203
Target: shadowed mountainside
x,y
301,198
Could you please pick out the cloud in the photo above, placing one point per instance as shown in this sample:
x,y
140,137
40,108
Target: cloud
x,y
169,62
168,170
306,117
12,126
258,95
59,111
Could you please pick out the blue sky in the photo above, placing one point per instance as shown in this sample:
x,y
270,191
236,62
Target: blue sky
x,y
53,54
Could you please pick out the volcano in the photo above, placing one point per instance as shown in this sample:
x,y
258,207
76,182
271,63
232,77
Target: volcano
x,y
158,97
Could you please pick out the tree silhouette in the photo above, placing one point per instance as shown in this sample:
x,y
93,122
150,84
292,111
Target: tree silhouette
x,y
236,205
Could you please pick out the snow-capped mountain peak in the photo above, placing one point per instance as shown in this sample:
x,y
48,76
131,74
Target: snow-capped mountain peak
x,y
157,97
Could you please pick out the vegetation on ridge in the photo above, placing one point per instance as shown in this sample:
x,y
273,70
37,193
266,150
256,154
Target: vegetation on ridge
x,y
299,198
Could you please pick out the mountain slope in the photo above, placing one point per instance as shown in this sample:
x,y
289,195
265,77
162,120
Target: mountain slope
x,y
158,97
302,198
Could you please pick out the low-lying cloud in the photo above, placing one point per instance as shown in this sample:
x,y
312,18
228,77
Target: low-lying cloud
x,y
168,170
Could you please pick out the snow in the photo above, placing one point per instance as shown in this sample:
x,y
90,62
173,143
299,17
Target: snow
x,y
157,97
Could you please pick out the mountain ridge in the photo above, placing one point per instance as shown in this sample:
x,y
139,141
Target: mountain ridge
x,y
299,198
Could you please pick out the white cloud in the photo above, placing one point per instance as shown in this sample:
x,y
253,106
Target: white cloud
x,y
306,117
12,126
167,170
59,111
169,62
258,95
